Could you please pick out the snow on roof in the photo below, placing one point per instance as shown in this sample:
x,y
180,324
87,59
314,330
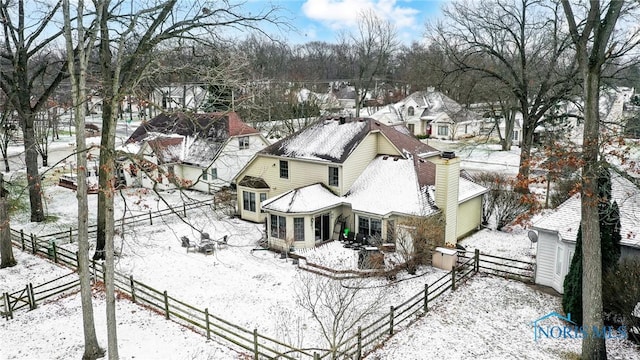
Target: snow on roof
x,y
468,189
306,199
325,139
566,218
389,184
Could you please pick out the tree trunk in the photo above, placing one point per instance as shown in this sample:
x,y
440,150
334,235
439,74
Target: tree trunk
x,y
6,250
593,347
33,176
45,159
92,348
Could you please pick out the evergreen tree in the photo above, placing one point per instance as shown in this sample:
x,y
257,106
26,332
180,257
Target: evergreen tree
x,y
610,237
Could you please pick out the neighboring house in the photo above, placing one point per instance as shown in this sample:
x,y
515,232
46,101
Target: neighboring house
x,y
200,151
433,114
353,173
557,232
178,97
496,128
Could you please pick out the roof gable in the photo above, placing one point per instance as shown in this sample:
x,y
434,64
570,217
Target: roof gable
x,y
334,139
208,126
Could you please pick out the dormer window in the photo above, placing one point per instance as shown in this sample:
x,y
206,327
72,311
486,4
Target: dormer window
x,y
243,142
410,111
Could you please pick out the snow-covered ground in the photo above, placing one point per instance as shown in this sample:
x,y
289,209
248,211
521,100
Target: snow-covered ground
x,y
487,317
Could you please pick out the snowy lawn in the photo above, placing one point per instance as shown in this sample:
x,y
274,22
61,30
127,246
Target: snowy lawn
x,y
487,317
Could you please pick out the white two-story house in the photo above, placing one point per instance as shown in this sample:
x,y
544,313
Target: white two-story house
x,y
201,151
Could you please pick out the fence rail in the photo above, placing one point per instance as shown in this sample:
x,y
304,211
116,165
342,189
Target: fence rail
x,y
259,345
367,337
520,270
72,233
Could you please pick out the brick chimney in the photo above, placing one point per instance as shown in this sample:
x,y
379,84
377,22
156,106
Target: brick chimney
x,y
446,192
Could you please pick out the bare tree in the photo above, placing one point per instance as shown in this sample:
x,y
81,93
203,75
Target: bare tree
x,y
369,52
8,130
337,306
30,74
78,75
521,45
591,36
125,57
417,237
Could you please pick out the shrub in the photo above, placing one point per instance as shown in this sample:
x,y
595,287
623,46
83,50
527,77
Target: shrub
x,y
621,294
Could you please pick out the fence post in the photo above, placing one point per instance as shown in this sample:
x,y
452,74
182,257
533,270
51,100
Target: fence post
x,y
453,279
70,235
33,243
359,350
150,218
31,296
22,238
77,262
206,319
166,304
255,344
55,252
7,304
476,260
391,311
133,288
93,266
426,297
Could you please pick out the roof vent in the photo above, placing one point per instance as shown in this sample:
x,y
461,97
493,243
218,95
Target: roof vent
x,y
448,154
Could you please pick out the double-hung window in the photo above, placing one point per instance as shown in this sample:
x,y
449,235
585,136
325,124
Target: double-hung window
x,y
284,169
278,227
333,176
249,201
298,229
243,142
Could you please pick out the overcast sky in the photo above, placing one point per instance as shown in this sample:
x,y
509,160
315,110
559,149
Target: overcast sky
x,y
322,20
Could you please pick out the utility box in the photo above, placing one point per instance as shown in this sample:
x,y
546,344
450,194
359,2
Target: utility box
x,y
444,258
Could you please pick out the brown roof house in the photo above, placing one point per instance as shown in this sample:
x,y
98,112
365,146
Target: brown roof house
x,y
202,151
353,173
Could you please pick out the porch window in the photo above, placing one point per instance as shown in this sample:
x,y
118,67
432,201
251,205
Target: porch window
x,y
369,226
443,130
278,227
321,226
249,201
284,169
298,229
243,142
263,198
333,176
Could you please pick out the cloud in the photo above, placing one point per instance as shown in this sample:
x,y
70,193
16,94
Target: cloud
x,y
340,14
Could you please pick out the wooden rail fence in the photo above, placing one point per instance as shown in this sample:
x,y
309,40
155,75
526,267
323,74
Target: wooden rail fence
x,y
519,270
259,345
71,234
